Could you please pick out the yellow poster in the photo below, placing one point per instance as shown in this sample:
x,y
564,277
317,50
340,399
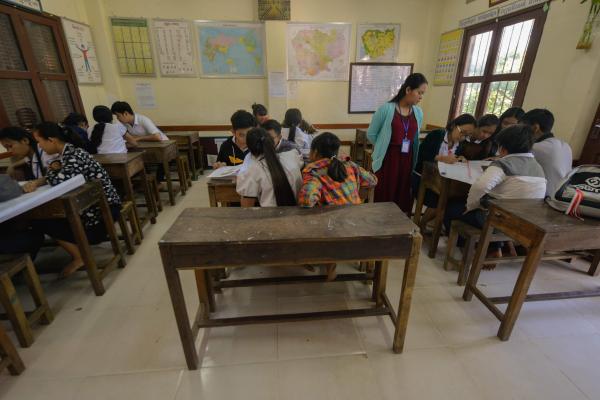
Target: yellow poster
x,y
448,58
132,46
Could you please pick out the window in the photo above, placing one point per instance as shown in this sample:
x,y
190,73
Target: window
x,y
496,63
37,80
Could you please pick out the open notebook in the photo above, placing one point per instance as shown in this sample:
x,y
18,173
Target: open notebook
x,y
467,172
225,172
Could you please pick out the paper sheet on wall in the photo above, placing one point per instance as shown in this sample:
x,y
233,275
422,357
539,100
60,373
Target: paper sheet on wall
x,y
175,47
82,51
448,57
277,84
371,85
467,172
144,93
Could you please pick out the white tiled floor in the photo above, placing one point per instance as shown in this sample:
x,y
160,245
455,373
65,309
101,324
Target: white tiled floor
x,y
124,345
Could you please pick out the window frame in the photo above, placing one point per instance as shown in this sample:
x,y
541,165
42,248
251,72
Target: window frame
x,y
488,76
32,74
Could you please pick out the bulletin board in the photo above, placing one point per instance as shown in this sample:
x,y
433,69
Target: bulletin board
x,y
131,38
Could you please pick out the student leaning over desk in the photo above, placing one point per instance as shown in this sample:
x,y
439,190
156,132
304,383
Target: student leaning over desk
x,y
394,131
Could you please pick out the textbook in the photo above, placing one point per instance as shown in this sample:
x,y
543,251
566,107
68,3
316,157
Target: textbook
x,y
225,172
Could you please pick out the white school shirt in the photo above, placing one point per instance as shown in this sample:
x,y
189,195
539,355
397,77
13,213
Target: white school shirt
x,y
302,139
255,179
113,140
36,168
143,125
445,150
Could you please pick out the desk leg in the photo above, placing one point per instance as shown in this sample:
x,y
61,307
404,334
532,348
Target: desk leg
x,y
439,218
15,365
204,292
482,248
419,206
192,160
200,151
169,182
181,315
594,270
148,195
109,223
380,282
519,294
212,197
84,247
408,284
130,195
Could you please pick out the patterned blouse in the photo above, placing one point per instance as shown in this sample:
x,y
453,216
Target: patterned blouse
x,y
76,161
320,189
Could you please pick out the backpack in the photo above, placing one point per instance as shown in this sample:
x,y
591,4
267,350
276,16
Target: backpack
x,y
581,187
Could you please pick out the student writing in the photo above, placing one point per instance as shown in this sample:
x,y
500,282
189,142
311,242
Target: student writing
x,y
234,149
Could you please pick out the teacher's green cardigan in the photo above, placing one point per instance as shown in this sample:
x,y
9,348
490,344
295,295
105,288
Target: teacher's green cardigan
x,y
380,133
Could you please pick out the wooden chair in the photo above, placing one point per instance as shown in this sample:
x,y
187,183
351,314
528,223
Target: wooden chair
x,y
10,265
130,237
9,357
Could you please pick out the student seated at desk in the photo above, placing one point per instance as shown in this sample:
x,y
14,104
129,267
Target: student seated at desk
x,y
234,149
440,145
331,181
79,123
516,175
139,126
282,145
508,118
15,238
261,114
271,178
107,137
73,161
554,155
26,154
291,131
480,145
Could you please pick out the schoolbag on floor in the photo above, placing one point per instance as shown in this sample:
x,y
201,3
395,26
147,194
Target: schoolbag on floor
x,y
585,178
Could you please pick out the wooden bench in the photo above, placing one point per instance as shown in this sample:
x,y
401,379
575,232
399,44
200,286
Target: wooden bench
x,y
10,265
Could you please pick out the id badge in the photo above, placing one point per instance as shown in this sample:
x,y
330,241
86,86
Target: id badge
x,y
405,146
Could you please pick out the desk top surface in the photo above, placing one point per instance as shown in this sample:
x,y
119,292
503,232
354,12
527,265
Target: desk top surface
x,y
545,217
218,225
222,182
121,158
186,134
156,145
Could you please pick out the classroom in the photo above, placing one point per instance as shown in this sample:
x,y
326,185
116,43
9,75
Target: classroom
x,y
299,199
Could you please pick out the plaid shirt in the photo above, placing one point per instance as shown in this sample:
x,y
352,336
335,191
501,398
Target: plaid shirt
x,y
320,189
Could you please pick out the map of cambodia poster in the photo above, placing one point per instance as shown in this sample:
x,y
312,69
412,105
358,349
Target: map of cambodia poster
x,y
377,42
318,51
231,49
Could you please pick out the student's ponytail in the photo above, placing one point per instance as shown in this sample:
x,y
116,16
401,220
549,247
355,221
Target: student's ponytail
x,y
292,120
65,134
327,145
103,116
261,144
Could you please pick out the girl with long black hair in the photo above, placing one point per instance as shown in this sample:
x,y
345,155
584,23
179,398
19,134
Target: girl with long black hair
x,y
107,137
293,132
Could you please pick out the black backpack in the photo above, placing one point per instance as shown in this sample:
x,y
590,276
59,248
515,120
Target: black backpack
x,y
584,179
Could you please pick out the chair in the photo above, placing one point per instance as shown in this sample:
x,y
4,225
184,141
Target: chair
x,y
10,265
128,215
9,358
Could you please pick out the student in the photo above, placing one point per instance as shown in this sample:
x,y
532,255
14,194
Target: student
x,y
78,123
261,114
508,118
554,155
293,132
106,137
479,145
27,154
271,179
282,145
394,132
331,181
234,149
73,161
440,145
139,126
516,175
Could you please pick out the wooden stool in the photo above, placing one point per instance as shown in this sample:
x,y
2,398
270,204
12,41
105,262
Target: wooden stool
x,y
471,235
9,266
156,193
127,214
8,355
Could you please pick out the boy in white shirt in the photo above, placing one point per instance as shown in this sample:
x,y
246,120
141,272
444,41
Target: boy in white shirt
x,y
139,126
554,155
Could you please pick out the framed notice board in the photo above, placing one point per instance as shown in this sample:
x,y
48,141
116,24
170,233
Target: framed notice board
x,y
372,84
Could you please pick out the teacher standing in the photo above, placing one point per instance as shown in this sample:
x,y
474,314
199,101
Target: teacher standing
x,y
394,131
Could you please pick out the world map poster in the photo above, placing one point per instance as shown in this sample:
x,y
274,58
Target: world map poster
x,y
377,42
231,49
318,51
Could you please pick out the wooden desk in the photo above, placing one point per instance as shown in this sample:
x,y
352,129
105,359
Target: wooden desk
x,y
210,238
161,153
71,206
445,189
189,142
123,167
223,191
540,229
